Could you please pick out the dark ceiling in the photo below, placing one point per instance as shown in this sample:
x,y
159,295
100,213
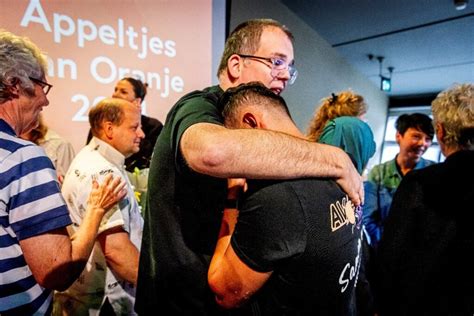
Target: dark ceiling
x,y
429,43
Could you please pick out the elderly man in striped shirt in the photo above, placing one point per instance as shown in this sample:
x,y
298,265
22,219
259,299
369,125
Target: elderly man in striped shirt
x,y
37,254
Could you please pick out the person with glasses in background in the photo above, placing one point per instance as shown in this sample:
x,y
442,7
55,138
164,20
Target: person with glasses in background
x,y
37,253
44,85
195,154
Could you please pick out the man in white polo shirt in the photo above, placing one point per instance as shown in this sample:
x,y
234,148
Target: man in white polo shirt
x,y
110,277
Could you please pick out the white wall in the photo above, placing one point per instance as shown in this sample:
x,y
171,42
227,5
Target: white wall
x,y
321,70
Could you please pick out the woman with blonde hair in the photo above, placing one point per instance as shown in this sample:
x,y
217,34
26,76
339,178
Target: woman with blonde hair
x,y
345,103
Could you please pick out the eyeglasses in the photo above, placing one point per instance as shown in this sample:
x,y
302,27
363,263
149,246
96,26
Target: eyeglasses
x,y
278,65
44,85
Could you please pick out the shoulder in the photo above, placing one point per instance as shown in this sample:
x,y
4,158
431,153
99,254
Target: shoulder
x,y
269,190
378,172
291,195
88,163
12,145
19,158
200,98
196,107
425,162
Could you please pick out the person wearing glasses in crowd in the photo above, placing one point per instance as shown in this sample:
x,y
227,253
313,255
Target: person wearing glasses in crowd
x,y
37,253
195,154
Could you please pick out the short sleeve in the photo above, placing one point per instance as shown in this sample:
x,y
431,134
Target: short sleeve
x,y
78,199
199,108
36,205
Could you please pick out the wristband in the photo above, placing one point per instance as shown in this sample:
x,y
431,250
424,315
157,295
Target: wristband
x,y
231,203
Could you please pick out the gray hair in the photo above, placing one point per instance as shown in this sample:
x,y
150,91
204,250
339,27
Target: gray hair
x,y
454,109
20,59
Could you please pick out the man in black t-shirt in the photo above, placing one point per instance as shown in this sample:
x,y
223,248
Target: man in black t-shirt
x,y
194,155
297,245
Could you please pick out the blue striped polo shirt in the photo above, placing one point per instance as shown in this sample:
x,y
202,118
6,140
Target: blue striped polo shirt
x,y
30,205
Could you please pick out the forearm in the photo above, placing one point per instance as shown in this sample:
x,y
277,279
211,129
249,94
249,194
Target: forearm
x,y
229,219
80,248
82,241
126,267
221,152
120,253
218,282
55,259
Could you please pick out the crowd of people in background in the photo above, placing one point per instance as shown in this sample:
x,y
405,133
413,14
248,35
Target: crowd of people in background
x,y
243,214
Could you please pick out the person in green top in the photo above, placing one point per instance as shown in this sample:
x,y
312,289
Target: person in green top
x,y
195,154
414,136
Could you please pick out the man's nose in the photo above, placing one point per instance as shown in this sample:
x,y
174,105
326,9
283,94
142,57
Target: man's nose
x,y
141,133
284,74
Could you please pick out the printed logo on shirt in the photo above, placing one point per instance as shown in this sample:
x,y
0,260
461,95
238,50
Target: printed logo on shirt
x,y
105,172
351,271
344,213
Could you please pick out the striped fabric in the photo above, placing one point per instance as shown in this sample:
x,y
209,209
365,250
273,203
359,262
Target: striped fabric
x,y
30,204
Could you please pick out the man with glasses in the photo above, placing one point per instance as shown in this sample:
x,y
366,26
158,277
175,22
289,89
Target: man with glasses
x,y
195,154
44,85
277,65
37,255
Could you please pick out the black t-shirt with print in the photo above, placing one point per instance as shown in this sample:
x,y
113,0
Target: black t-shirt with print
x,y
301,230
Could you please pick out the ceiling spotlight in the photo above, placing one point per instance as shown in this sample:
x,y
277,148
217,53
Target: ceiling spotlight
x,y
460,4
385,82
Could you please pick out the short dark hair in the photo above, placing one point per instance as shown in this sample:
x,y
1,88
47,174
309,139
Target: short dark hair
x,y
254,93
245,39
139,88
419,121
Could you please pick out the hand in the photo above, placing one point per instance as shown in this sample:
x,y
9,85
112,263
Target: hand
x,y
108,193
235,186
60,179
351,183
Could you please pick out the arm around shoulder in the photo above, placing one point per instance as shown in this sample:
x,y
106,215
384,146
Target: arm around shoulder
x,y
261,154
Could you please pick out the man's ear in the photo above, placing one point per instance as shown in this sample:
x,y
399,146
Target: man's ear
x,y
14,89
440,132
250,120
108,129
234,66
398,137
137,102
